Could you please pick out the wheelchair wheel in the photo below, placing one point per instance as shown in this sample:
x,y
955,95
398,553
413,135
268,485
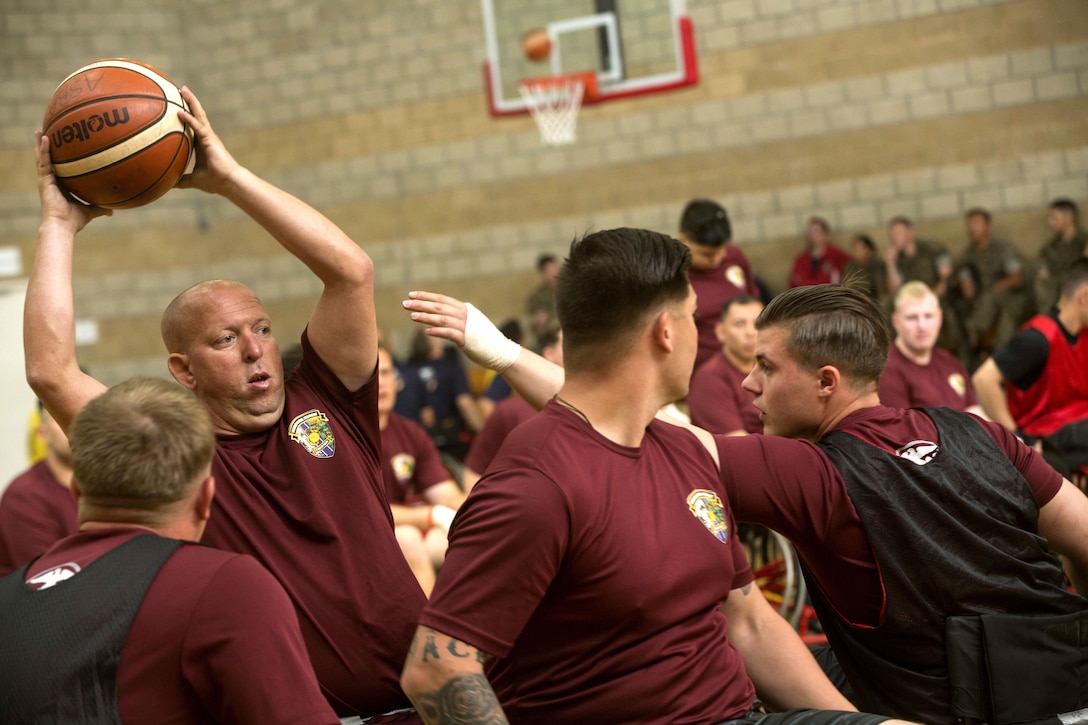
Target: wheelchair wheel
x,y
777,569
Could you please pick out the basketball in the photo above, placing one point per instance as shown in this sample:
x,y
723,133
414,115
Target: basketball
x,y
115,138
536,45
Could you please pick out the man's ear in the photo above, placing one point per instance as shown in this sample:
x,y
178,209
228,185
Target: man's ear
x,y
178,364
203,503
829,379
73,489
662,331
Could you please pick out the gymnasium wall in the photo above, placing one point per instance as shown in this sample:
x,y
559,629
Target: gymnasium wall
x,y
855,110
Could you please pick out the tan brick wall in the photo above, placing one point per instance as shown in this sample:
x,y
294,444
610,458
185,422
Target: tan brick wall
x,y
852,109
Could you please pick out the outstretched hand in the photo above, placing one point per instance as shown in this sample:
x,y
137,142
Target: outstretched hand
x,y
465,326
214,164
57,204
444,316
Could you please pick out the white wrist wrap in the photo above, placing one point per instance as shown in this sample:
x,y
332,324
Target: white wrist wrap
x,y
485,345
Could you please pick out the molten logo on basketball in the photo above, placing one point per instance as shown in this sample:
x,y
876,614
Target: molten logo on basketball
x,y
83,129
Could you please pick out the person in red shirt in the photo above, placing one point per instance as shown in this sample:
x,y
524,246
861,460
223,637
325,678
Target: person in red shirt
x,y
143,624
423,497
821,262
717,402
37,508
298,458
594,573
1037,385
719,269
918,373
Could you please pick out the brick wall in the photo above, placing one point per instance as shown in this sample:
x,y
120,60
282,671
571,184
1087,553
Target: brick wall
x,y
855,110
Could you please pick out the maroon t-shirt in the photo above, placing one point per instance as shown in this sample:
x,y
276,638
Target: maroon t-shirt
x,y
36,511
714,287
943,383
594,573
799,493
410,462
307,500
509,413
718,403
215,639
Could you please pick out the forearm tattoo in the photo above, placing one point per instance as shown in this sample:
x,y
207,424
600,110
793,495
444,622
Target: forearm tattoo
x,y
463,700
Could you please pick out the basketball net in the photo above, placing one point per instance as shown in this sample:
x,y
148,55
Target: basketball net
x,y
553,102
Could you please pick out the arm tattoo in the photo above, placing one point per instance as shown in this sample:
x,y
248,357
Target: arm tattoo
x,y
746,589
463,700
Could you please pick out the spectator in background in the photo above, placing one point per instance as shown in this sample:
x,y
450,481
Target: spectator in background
x,y
511,412
866,266
719,269
1004,298
1037,385
540,307
918,373
1067,245
497,388
822,261
717,402
423,497
453,416
37,509
908,258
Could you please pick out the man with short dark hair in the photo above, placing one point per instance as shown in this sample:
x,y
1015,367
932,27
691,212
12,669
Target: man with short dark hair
x,y
1068,243
589,570
908,258
719,268
128,620
1037,385
717,402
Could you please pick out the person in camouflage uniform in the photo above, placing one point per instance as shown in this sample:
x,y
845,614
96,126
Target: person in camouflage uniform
x,y
1068,244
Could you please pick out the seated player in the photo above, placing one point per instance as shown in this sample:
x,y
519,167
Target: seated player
x,y
422,495
511,412
717,402
129,620
37,509
918,373
1037,385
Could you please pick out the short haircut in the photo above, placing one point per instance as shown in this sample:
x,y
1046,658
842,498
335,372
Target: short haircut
x,y
977,211
143,443
831,324
914,290
905,221
866,240
1067,205
609,285
741,299
820,222
706,222
543,260
1075,277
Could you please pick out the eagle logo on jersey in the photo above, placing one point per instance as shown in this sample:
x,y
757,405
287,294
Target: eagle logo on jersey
x,y
404,466
957,383
920,452
707,507
56,575
735,275
311,430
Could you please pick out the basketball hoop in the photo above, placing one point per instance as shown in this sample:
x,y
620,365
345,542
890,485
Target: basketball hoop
x,y
554,101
